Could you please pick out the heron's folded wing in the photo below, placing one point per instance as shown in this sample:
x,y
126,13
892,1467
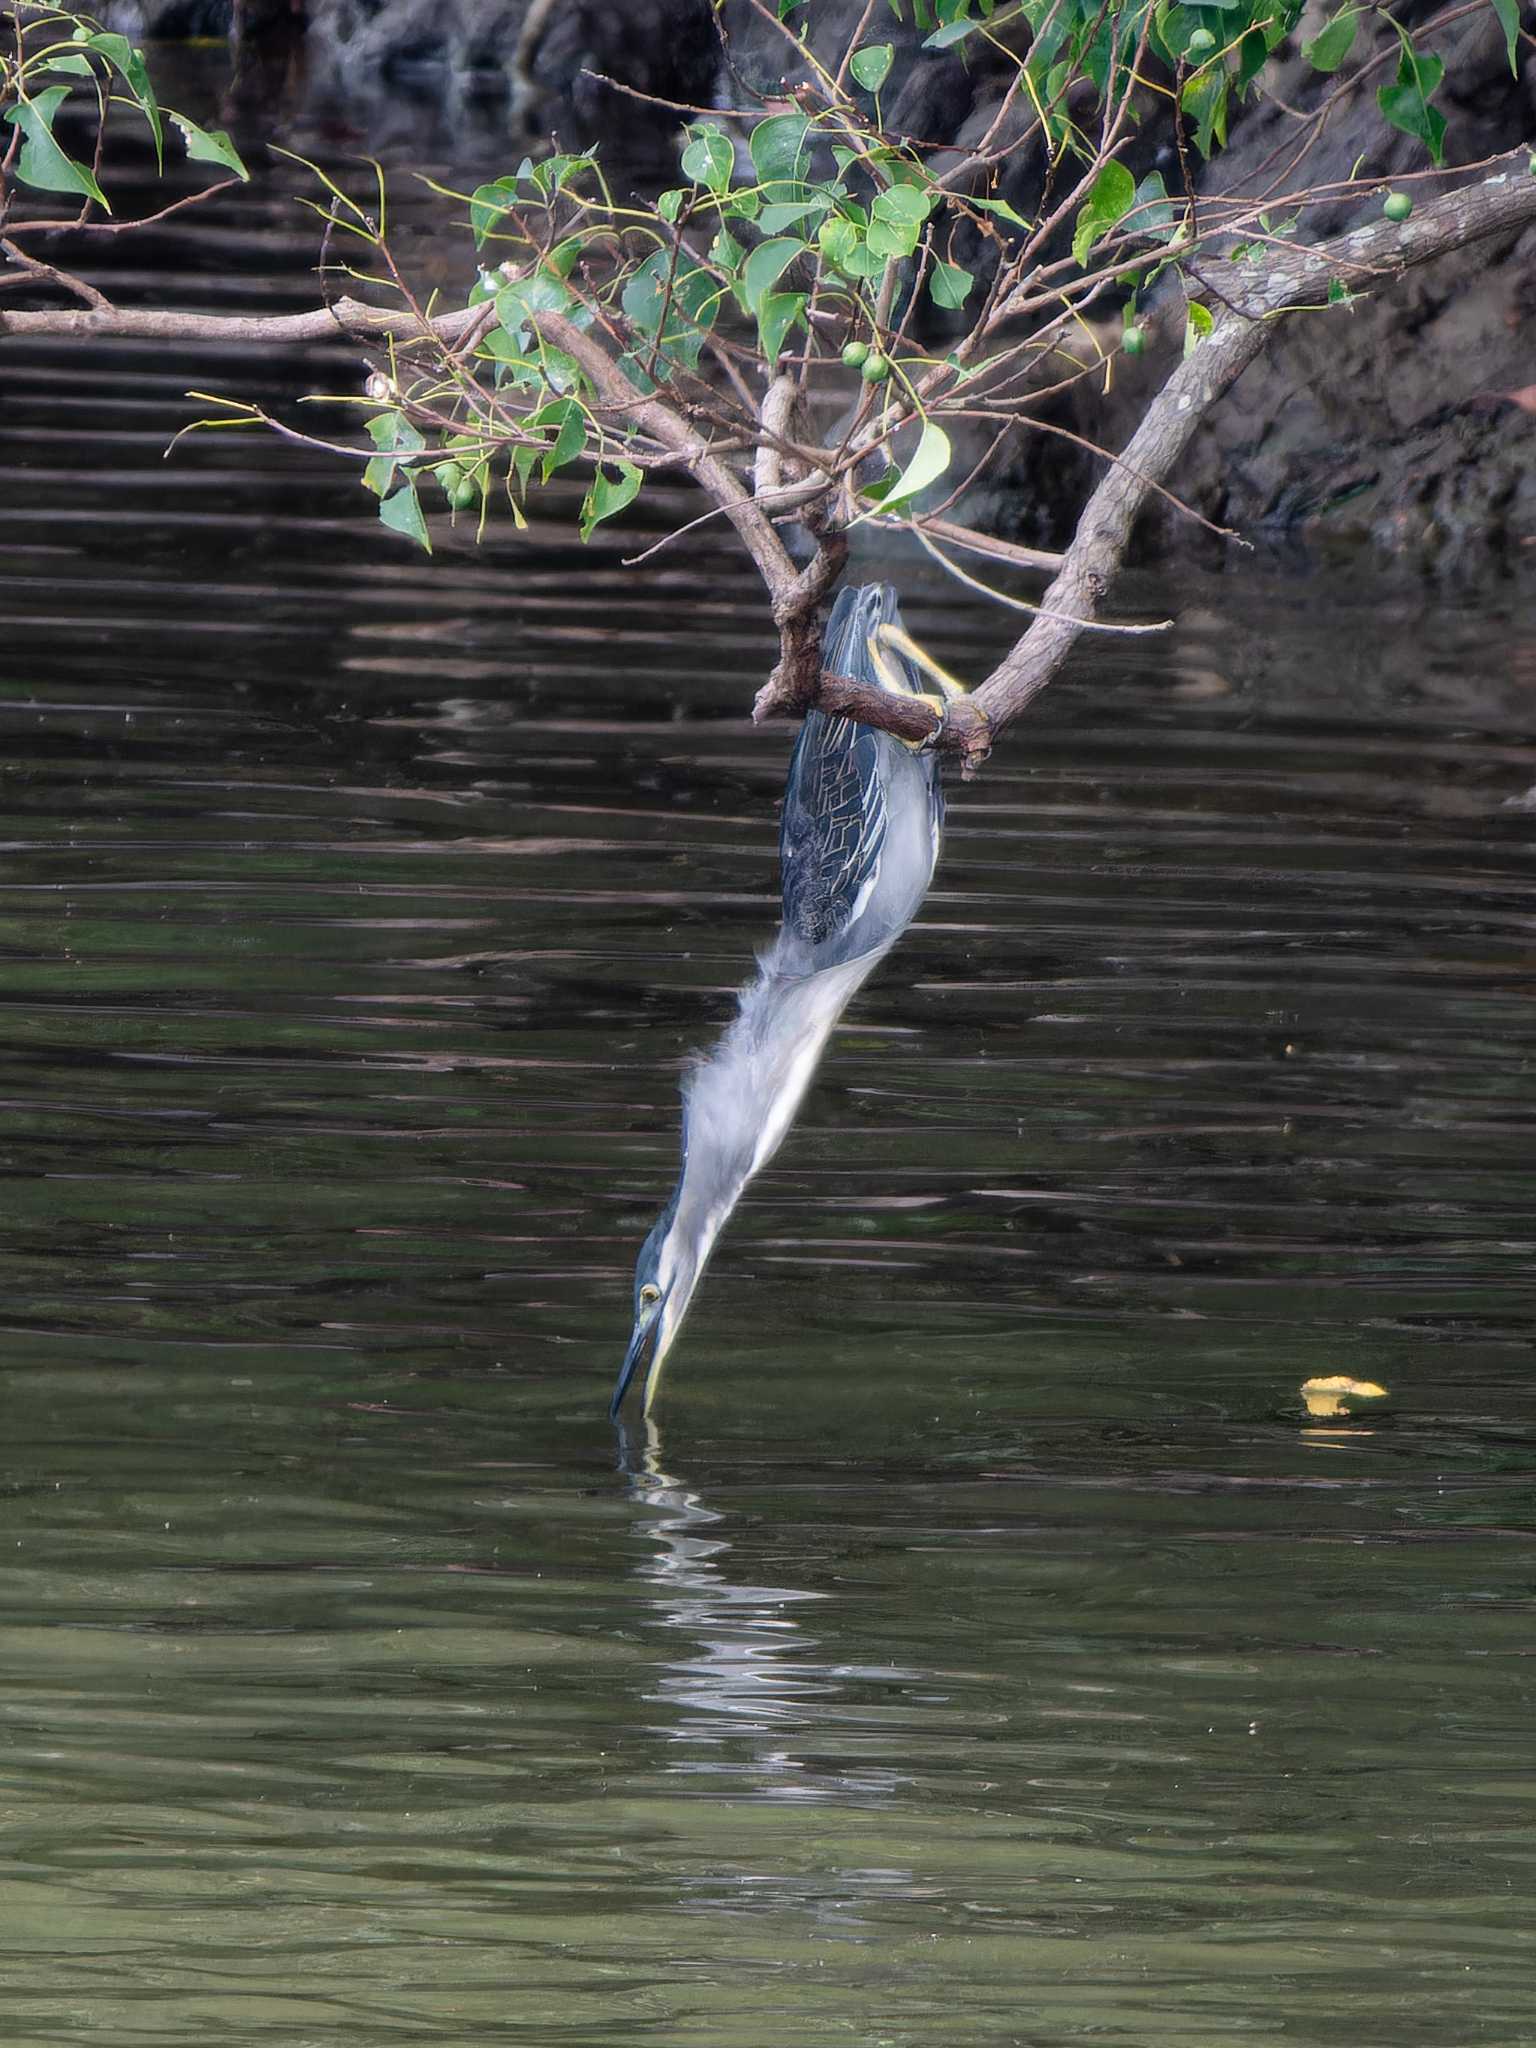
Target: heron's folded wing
x,y
834,826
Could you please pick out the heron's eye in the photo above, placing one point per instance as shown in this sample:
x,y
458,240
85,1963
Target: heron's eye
x,y
649,1295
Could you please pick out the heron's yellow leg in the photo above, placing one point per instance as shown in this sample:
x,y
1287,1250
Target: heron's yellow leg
x,y
885,638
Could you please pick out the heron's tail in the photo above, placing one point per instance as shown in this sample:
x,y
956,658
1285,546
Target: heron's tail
x,y
845,645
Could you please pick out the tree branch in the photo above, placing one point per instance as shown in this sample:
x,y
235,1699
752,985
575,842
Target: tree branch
x,y
1252,297
47,273
1255,297
344,320
673,432
795,594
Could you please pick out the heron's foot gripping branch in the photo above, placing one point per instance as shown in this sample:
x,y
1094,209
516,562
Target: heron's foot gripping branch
x,y
886,640
960,726
965,730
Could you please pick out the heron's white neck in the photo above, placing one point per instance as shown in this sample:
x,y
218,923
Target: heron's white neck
x,y
743,1098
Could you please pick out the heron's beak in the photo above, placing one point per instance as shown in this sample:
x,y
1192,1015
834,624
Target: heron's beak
x,y
642,1339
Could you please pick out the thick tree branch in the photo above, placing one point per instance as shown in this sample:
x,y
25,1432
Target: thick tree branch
x,y
1254,298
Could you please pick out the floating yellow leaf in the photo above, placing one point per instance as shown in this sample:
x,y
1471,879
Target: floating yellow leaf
x,y
1330,1396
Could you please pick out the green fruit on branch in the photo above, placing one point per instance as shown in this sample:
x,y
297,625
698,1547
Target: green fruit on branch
x,y
875,369
855,354
1397,206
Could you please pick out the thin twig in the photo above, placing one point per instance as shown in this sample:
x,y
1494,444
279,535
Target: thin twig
x,y
51,274
120,227
1021,604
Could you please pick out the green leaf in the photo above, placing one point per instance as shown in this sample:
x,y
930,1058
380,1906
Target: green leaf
x,y
677,326
208,145
773,220
488,205
1406,103
42,164
709,158
401,512
1204,99
556,172
1197,326
395,438
886,242
906,202
777,312
561,372
767,264
128,61
778,148
871,66
1252,56
1508,12
896,220
1003,211
843,247
1112,197
1153,212
1096,58
930,459
950,285
509,350
726,251
954,32
568,416
670,204
1333,43
522,296
608,496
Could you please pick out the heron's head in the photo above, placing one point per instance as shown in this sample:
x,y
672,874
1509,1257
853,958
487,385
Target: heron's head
x,y
666,1273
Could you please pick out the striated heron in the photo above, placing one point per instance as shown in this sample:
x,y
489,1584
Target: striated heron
x,y
857,846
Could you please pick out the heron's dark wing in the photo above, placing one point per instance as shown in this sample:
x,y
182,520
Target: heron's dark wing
x,y
833,827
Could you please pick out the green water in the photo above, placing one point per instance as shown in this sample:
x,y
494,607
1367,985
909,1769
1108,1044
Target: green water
x,y
989,1650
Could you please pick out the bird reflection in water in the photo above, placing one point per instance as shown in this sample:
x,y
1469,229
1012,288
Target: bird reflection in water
x,y
747,1690
863,813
